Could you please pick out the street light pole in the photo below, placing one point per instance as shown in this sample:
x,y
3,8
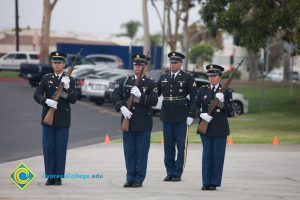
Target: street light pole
x,y
17,24
163,37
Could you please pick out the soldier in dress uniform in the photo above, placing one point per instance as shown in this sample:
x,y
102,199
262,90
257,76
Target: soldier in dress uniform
x,y
55,137
214,140
136,142
175,114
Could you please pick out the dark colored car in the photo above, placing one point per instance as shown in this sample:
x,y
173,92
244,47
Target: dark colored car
x,y
35,72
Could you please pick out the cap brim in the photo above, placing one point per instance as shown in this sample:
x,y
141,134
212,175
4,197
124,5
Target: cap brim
x,y
213,74
57,60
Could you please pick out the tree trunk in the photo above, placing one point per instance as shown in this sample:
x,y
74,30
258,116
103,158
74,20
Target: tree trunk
x,y
146,28
185,39
169,29
45,34
286,66
252,64
177,18
173,38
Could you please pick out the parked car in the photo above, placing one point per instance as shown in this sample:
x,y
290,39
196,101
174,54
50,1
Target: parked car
x,y
91,77
35,71
79,75
275,76
12,61
97,88
106,60
240,103
295,76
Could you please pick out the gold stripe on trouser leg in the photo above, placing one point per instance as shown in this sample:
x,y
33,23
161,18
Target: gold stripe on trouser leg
x,y
186,145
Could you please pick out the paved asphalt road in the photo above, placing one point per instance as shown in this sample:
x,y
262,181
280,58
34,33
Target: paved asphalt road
x,y
20,129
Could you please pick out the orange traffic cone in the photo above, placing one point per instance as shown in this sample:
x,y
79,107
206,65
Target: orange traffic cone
x,y
107,140
275,140
162,140
230,140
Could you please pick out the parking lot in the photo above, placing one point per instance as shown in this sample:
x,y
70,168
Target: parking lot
x,y
21,134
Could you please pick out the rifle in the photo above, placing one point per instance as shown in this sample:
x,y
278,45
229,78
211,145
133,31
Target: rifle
x,y
213,105
125,122
50,114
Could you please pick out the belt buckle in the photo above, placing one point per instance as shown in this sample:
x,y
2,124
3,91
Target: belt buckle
x,y
171,98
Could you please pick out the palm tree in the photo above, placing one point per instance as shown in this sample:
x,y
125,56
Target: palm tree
x,y
131,28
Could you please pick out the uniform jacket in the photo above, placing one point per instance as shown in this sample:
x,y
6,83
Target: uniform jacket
x,y
46,89
176,110
218,126
141,120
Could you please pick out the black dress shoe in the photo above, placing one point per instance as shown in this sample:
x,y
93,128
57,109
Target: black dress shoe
x,y
168,178
137,185
176,179
128,184
50,181
212,188
205,188
57,181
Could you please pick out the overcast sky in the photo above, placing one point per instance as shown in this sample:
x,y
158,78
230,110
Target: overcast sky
x,y
91,16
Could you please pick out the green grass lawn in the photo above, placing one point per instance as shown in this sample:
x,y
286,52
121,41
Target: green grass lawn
x,y
280,116
9,74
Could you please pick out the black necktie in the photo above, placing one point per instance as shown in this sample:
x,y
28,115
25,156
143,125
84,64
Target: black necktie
x,y
173,77
213,91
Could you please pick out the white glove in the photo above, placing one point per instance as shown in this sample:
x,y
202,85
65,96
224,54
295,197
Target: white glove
x,y
220,96
136,92
206,117
189,120
51,103
126,113
66,81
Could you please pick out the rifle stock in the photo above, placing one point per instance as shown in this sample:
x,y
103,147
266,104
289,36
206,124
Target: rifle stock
x,y
125,122
50,114
202,128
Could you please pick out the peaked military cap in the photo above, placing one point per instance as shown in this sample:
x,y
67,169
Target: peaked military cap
x,y
175,57
140,59
57,56
214,69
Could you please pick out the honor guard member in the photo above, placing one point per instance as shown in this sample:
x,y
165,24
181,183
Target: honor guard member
x,y
214,140
175,86
55,137
136,142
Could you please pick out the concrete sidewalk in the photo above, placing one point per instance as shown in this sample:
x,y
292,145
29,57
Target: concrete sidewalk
x,y
250,172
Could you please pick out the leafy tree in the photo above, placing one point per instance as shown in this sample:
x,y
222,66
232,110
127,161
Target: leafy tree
x,y
252,22
200,53
155,39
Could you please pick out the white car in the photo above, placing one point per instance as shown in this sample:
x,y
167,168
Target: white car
x,y
90,78
96,89
106,60
275,76
12,61
240,104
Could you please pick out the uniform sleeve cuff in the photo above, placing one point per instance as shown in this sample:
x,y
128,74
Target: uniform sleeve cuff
x,y
118,106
